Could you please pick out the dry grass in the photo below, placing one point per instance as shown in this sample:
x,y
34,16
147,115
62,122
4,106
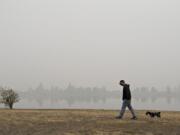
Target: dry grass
x,y
85,122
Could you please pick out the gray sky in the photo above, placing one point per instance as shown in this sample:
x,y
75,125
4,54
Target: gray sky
x,y
89,43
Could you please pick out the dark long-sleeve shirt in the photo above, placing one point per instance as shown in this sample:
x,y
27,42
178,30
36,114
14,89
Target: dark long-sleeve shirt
x,y
126,92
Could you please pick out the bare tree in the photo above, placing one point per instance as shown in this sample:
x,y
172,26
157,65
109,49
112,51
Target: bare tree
x,y
9,97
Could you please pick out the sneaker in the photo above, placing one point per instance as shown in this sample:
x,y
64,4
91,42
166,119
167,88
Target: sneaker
x,y
118,117
134,118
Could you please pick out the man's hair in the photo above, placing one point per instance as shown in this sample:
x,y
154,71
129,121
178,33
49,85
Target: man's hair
x,y
122,81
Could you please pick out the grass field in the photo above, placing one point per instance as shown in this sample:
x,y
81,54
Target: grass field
x,y
85,122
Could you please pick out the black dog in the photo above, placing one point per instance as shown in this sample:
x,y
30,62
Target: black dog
x,y
154,114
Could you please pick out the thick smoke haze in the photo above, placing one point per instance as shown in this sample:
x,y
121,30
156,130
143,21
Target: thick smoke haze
x,y
89,43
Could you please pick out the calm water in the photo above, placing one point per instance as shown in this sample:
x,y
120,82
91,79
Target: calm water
x,y
158,104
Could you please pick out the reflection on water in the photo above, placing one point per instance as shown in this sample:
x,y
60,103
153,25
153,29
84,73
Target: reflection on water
x,y
98,98
160,104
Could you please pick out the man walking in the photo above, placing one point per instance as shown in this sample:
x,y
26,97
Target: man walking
x,y
126,101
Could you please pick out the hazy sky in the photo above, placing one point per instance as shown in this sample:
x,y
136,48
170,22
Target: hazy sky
x,y
89,42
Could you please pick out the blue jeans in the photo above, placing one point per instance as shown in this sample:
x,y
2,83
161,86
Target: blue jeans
x,y
127,103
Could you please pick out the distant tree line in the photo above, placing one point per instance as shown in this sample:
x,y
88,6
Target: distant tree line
x,y
73,94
